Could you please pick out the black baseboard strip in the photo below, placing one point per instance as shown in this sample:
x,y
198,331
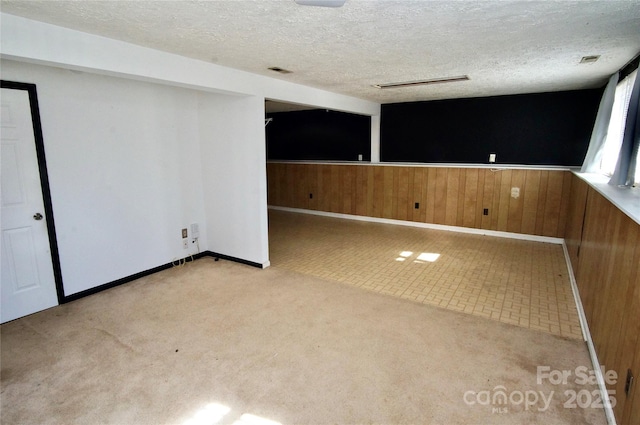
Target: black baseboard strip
x,y
234,259
127,279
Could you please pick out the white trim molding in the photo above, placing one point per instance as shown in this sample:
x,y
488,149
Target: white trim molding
x,y
626,199
492,167
586,334
496,233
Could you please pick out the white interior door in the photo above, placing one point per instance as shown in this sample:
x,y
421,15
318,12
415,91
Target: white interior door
x,y
28,283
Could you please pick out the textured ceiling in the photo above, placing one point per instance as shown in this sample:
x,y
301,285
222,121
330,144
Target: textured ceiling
x,y
506,47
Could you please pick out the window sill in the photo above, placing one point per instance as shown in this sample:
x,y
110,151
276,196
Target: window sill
x,y
626,199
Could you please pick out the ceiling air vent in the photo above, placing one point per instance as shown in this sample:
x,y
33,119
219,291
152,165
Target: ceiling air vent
x,y
589,59
280,70
422,82
321,3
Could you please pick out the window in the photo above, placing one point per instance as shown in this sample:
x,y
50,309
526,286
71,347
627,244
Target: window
x,y
637,174
615,132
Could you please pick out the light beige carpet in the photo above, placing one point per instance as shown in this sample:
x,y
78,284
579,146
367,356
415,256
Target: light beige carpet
x,y
222,343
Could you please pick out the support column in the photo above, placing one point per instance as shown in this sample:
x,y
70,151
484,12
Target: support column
x,y
375,138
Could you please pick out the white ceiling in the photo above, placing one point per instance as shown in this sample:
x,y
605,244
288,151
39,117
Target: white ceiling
x,y
505,47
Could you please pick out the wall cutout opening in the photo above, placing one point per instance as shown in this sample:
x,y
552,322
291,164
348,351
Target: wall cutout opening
x,y
304,133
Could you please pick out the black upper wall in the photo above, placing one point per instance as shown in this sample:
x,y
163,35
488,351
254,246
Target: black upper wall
x,y
533,129
319,135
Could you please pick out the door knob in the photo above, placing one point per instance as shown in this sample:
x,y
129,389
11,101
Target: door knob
x,y
37,216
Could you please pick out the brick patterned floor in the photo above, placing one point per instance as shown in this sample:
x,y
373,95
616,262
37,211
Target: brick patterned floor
x,y
513,281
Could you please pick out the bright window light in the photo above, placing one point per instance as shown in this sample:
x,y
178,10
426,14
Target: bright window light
x,y
637,179
615,132
428,256
211,414
406,254
248,419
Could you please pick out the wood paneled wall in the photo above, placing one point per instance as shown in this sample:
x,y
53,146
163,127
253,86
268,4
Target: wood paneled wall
x,y
604,245
575,220
449,196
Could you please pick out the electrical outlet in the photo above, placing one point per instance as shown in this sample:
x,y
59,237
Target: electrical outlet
x,y
485,211
184,234
492,157
417,205
185,243
311,196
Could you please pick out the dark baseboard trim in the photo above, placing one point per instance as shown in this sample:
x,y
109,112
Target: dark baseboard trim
x,y
127,279
234,259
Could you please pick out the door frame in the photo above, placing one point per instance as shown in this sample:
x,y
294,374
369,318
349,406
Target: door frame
x,y
44,180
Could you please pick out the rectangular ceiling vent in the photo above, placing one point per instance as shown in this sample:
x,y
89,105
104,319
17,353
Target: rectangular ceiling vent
x,y
589,59
280,70
422,82
321,3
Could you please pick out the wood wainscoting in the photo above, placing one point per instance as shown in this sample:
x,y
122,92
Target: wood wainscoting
x,y
443,195
604,247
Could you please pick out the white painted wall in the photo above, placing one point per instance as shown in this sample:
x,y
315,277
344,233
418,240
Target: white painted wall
x,y
234,175
146,142
124,168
